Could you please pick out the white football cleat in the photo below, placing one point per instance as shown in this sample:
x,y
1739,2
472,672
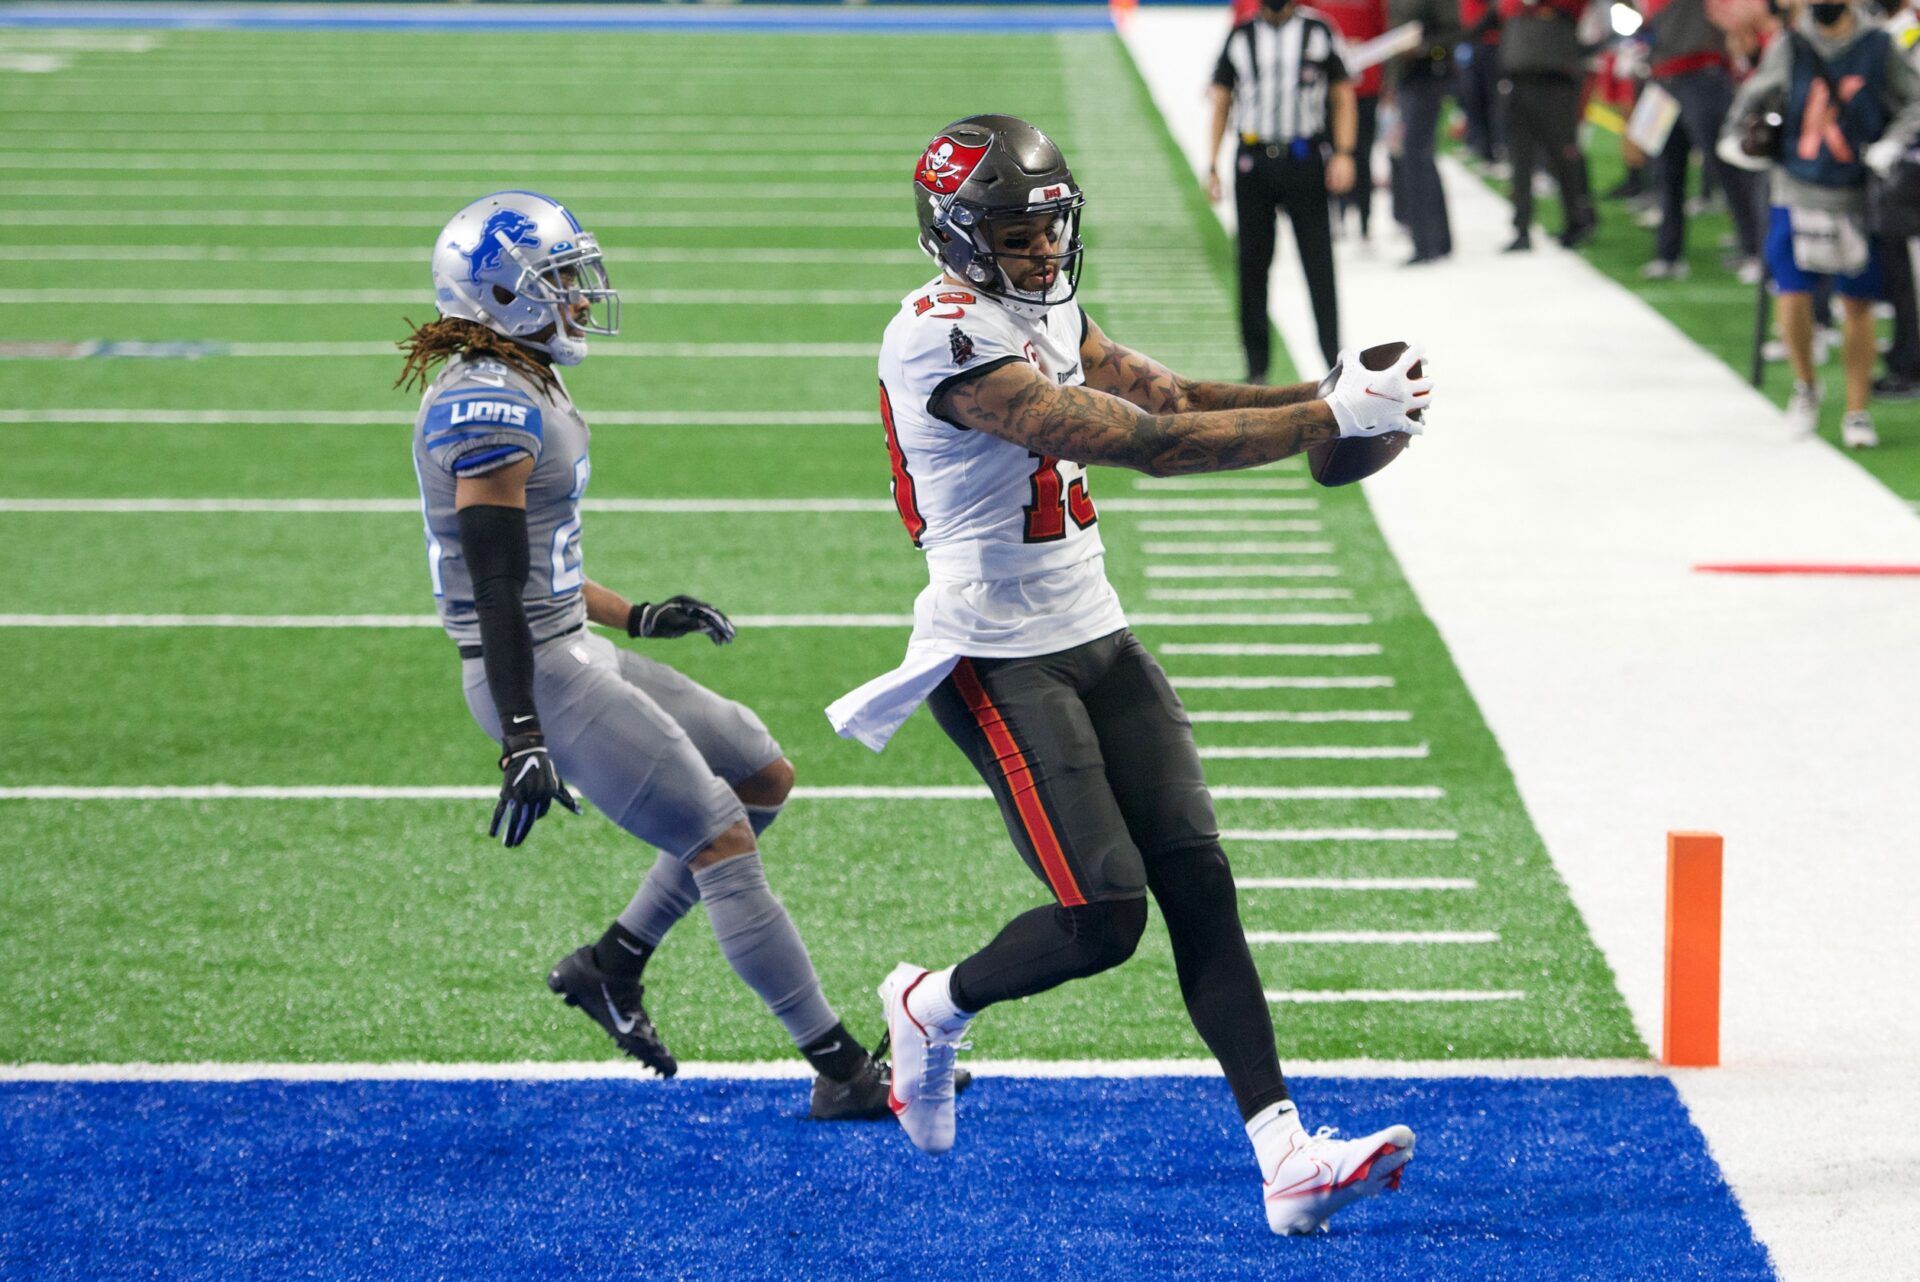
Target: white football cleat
x,y
921,1095
1803,410
1856,431
1320,1174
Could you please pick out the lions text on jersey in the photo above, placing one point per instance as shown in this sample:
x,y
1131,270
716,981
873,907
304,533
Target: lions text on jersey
x,y
477,417
1012,538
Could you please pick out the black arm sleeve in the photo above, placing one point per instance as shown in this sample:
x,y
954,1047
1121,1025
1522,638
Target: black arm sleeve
x,y
494,541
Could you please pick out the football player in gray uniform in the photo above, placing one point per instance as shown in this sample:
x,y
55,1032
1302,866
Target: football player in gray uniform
x,y
501,455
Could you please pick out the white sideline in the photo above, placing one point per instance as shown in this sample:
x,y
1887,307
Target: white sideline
x,y
1322,834
1249,594
1355,714
795,1069
1276,649
1632,697
1236,549
1220,483
1230,527
1242,571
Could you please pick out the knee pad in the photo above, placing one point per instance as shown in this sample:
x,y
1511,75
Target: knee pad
x,y
1105,932
1194,883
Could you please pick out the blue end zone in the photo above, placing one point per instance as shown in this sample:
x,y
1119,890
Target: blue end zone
x,y
1114,1178
929,17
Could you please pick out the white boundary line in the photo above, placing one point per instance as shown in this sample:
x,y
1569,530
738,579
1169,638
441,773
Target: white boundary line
x,y
1221,483
1230,527
1249,594
795,1070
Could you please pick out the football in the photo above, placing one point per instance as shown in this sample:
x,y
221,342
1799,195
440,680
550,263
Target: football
x,y
1352,458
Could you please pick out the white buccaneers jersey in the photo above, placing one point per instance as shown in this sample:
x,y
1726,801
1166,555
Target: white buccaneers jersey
x,y
1018,526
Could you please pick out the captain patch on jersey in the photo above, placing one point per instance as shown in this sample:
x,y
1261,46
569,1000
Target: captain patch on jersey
x,y
981,507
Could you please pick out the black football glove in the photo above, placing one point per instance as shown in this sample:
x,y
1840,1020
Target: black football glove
x,y
675,617
528,786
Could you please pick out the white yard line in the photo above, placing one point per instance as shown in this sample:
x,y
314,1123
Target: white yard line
x,y
1366,884
1106,504
332,297
1339,834
389,418
410,255
1373,937
1271,649
1630,697
1217,483
794,1069
415,220
1236,549
1230,527
1317,752
1304,718
1249,594
462,792
393,620
1282,683
1242,571
1406,995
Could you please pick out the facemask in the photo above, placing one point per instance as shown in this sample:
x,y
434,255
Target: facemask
x,y
1828,14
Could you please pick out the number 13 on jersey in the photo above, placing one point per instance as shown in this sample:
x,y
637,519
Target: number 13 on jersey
x,y
1047,515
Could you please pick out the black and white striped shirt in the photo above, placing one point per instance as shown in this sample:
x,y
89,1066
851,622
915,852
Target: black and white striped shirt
x,y
1280,76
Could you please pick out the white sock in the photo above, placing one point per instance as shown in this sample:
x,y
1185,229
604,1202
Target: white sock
x,y
931,1002
1272,1130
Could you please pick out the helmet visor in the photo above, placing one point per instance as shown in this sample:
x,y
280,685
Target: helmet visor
x,y
576,282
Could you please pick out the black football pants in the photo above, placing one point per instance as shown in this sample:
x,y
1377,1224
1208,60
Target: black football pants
x,y
1266,181
1091,758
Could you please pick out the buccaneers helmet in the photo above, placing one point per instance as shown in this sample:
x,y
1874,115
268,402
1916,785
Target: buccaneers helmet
x,y
986,170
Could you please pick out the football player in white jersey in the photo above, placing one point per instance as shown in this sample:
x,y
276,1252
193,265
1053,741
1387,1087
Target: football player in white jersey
x,y
501,455
996,391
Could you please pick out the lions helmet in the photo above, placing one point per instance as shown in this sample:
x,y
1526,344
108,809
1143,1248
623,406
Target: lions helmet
x,y
518,262
996,169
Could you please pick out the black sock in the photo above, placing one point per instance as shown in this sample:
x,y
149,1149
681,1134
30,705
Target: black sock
x,y
620,953
1046,946
1224,996
836,1053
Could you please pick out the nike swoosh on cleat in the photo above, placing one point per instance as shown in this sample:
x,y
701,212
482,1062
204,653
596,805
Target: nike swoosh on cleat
x,y
827,1050
625,1026
630,948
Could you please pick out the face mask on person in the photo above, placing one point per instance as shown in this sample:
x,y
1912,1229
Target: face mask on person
x,y
1828,15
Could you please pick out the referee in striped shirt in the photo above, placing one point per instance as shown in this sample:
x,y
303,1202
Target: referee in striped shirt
x,y
1283,83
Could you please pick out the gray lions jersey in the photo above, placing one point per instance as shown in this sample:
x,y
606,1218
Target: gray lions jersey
x,y
479,416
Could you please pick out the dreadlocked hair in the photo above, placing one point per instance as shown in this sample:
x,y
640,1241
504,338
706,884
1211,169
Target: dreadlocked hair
x,y
430,344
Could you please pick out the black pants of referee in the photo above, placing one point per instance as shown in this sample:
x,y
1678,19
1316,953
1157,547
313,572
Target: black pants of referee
x,y
1543,123
1092,760
1266,181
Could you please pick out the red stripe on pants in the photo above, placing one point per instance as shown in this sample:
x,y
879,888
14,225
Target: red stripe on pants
x,y
1020,782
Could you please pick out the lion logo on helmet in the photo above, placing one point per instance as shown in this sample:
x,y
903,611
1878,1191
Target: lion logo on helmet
x,y
946,165
515,227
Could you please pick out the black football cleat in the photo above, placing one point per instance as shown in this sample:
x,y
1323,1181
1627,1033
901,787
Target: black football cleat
x,y
864,1098
614,1004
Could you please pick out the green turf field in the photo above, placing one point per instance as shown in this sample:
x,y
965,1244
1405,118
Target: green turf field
x,y
271,198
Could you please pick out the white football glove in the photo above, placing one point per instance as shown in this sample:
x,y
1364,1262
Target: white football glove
x,y
1368,402
1883,155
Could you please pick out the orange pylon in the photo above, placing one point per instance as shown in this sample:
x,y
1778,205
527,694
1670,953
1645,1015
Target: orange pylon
x,y
1691,1033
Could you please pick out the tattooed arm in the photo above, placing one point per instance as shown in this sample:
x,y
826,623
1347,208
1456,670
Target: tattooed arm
x,y
1147,383
1018,403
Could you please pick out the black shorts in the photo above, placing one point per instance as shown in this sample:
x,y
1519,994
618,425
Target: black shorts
x,y
1091,758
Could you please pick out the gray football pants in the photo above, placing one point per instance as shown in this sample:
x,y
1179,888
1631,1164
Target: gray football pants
x,y
655,751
